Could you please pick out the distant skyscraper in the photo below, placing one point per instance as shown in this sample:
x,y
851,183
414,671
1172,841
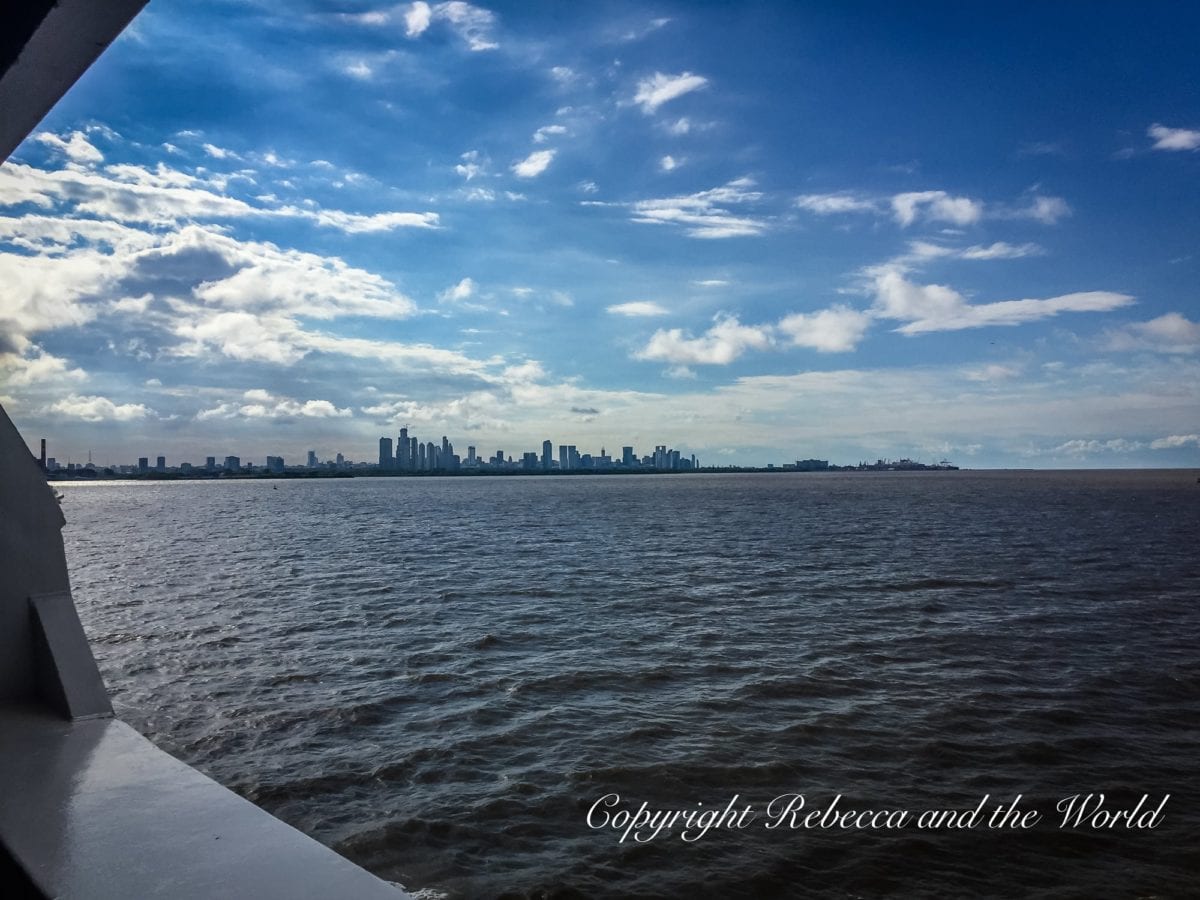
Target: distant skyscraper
x,y
143,464
420,455
564,461
572,457
385,453
232,464
341,460
210,463
431,460
627,457
275,464
471,456
402,455
160,464
547,456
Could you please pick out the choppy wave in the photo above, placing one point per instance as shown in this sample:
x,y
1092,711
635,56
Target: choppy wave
x,y
439,677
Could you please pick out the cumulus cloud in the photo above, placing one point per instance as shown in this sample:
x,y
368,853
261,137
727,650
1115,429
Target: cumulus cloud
x,y
935,206
705,214
659,88
99,409
534,164
637,308
1046,210
417,18
464,290
832,330
669,163
36,366
1174,138
936,307
262,404
1169,333
723,343
76,147
547,131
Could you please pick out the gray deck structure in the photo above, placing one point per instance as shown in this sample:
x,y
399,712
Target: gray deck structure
x,y
88,807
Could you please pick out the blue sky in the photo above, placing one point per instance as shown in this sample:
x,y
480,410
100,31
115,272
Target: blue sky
x,y
752,232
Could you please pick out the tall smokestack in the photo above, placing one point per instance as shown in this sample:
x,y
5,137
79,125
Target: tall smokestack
x,y
42,462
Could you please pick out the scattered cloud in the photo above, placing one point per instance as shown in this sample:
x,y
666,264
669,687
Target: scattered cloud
x,y
829,204
638,308
76,148
1175,441
669,163
417,18
705,214
164,196
935,206
723,343
1046,210
262,404
547,131
1174,138
99,409
659,88
464,290
1169,333
534,164
936,307
833,330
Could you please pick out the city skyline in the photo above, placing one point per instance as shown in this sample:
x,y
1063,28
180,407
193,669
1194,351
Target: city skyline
x,y
861,230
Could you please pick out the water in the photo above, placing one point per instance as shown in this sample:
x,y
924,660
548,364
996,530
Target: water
x,y
439,677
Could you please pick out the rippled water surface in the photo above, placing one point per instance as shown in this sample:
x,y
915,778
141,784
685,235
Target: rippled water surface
x,y
439,677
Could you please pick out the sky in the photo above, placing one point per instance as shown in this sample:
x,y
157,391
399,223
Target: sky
x,y
754,232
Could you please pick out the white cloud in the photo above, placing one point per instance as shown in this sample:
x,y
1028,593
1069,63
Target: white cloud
x,y
638,308
1000,250
669,163
1169,333
704,214
261,404
711,282
723,343
829,204
935,307
935,206
164,196
1174,138
417,18
992,372
464,290
1079,447
919,251
77,148
1175,441
36,366
472,23
218,152
680,126
1047,210
832,330
658,89
99,409
534,164
546,131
